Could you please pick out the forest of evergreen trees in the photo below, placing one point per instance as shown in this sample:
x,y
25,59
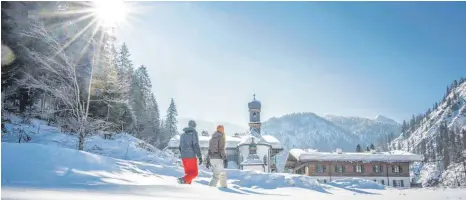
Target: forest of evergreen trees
x,y
68,71
449,144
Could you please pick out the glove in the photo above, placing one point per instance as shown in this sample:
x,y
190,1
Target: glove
x,y
200,160
225,163
207,164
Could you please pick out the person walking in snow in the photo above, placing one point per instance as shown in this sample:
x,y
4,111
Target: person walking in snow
x,y
189,149
216,158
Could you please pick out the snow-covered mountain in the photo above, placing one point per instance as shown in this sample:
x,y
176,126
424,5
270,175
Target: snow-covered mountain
x,y
210,126
387,120
308,130
426,137
378,131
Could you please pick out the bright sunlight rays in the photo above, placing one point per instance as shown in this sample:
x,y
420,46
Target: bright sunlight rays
x,y
110,13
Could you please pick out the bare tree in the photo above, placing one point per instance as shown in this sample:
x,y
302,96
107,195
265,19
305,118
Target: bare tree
x,y
56,74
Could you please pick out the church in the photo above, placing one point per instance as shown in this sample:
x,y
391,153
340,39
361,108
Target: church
x,y
251,151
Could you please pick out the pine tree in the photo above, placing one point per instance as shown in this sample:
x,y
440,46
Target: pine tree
x,y
358,148
171,124
143,104
154,116
125,66
108,95
412,124
404,128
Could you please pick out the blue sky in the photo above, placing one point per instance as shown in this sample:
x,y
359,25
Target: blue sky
x,y
340,58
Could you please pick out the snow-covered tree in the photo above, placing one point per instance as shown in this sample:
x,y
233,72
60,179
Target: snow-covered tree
x,y
140,97
170,124
125,67
56,74
154,120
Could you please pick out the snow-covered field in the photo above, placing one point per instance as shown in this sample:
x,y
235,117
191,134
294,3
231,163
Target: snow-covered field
x,y
48,167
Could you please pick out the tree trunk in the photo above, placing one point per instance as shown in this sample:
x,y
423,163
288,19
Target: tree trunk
x,y
81,140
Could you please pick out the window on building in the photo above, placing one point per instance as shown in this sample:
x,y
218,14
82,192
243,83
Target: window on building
x,y
320,168
377,168
383,182
325,180
358,168
339,168
398,183
265,160
252,149
397,169
231,157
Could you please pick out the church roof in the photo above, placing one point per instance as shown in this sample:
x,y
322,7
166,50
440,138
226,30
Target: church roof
x,y
254,104
261,140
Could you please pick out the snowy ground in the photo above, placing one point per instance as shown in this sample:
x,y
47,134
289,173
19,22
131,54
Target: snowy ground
x,y
48,167
35,171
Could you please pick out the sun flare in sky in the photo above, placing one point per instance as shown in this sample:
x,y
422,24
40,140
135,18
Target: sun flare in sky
x,y
110,13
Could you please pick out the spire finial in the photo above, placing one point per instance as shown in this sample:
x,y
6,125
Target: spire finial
x,y
254,96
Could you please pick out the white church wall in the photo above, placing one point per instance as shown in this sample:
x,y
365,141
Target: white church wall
x,y
256,168
262,150
243,152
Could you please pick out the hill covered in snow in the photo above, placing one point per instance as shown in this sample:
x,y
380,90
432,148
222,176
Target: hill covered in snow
x,y
48,166
47,171
440,136
378,131
308,130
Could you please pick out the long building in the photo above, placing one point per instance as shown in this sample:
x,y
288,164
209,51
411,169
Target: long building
x,y
387,168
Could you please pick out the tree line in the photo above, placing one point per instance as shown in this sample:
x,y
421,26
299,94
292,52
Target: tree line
x,y
68,71
448,144
453,101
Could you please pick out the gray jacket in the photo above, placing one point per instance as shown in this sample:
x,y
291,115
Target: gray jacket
x,y
189,144
217,147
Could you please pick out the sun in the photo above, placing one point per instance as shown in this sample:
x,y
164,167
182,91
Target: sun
x,y
110,13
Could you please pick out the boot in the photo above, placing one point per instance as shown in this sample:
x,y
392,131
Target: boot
x,y
181,180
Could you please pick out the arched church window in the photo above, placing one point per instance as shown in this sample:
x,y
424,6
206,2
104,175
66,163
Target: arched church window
x,y
252,148
265,160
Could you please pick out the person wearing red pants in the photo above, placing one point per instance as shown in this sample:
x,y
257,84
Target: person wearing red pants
x,y
189,149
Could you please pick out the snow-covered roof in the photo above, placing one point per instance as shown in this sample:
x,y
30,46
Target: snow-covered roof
x,y
231,141
266,139
392,156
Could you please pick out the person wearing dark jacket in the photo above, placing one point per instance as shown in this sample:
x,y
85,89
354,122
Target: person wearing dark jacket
x,y
217,158
189,150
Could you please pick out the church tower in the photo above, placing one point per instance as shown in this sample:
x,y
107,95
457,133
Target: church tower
x,y
255,114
